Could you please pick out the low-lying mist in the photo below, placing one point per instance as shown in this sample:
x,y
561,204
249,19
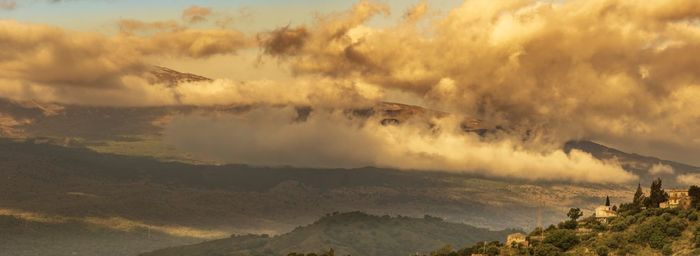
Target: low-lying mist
x,y
273,136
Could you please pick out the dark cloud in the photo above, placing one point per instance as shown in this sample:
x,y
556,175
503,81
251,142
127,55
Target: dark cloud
x,y
284,41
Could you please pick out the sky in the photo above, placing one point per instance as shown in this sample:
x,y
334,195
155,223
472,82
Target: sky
x,y
250,16
618,72
99,15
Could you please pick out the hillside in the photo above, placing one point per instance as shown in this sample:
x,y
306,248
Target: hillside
x,y
635,163
639,227
55,237
353,233
237,199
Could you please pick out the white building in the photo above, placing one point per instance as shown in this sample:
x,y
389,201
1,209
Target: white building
x,y
602,213
516,239
676,198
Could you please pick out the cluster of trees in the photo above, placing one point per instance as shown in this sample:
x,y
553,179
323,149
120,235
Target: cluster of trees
x,y
657,195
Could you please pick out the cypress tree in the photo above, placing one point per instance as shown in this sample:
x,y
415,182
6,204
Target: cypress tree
x,y
638,196
607,200
694,193
657,194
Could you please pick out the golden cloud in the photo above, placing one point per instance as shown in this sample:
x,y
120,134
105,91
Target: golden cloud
x,y
578,68
46,61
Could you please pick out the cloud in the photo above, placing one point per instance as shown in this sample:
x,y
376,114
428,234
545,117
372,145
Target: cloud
x,y
284,41
8,5
48,55
689,179
320,93
329,139
660,168
141,91
615,71
190,43
131,26
67,66
196,14
621,72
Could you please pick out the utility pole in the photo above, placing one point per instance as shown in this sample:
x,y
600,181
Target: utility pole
x,y
539,218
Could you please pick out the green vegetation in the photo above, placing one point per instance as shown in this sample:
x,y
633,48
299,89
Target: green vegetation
x,y
640,228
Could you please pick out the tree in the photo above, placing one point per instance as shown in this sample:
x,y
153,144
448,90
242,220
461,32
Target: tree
x,y
694,193
607,200
638,196
574,214
657,194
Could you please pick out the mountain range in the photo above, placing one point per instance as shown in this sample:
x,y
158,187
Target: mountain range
x,y
100,172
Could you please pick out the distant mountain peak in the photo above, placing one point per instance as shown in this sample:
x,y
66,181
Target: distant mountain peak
x,y
172,78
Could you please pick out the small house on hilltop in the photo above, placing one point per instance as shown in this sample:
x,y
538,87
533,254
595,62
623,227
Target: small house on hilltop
x,y
676,198
516,239
602,213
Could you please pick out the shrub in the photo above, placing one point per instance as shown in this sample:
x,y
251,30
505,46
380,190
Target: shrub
x,y
599,227
618,226
676,227
652,212
693,216
564,239
602,251
546,250
627,250
667,216
652,232
615,241
569,224
588,236
667,250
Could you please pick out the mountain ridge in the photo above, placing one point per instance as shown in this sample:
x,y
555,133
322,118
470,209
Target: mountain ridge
x,y
351,233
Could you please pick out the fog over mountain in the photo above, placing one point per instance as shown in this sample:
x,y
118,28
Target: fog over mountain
x,y
480,112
